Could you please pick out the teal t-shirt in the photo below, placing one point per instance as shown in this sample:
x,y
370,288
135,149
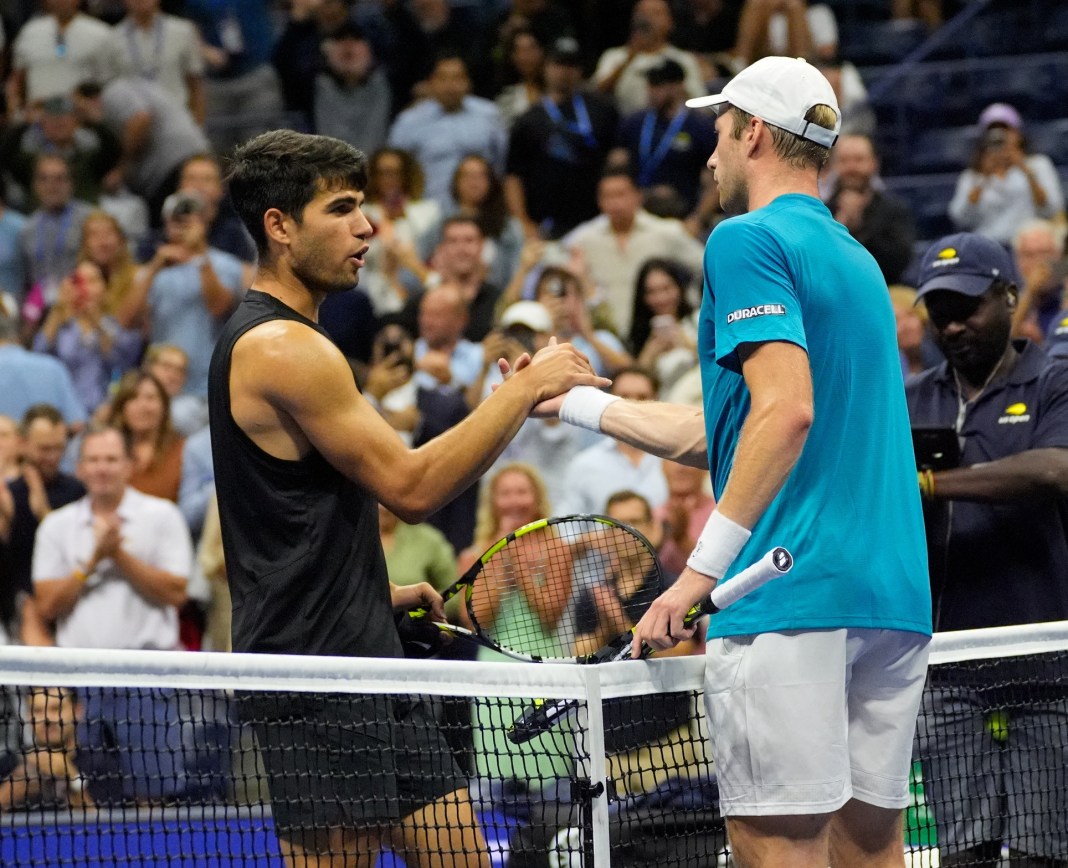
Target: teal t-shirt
x,y
850,509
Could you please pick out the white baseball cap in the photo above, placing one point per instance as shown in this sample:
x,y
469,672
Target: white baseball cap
x,y
780,91
531,314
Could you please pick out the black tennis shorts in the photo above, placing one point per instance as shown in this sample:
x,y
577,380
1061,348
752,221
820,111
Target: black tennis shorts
x,y
348,760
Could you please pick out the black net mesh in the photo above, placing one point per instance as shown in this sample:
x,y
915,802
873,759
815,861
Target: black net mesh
x,y
110,776
161,777
990,782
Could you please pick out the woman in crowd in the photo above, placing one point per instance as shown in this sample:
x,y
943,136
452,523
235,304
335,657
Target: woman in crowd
x,y
405,226
1006,185
104,243
87,339
141,408
512,497
663,333
524,61
478,193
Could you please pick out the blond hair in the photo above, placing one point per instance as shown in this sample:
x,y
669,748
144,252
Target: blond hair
x,y
487,521
793,149
119,275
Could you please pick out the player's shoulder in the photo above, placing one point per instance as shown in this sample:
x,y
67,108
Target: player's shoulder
x,y
283,341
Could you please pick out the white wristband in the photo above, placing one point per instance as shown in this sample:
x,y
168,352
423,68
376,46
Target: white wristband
x,y
718,546
584,405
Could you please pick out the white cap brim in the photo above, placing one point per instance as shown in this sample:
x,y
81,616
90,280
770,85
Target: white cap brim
x,y
705,101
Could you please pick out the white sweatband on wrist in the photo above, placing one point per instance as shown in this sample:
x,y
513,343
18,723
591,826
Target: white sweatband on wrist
x,y
717,546
584,405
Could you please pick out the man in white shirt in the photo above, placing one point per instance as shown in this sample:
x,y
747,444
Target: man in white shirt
x,y
615,244
621,70
54,53
162,48
111,570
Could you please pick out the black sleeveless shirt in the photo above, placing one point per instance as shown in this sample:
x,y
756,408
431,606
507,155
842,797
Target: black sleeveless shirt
x,y
303,557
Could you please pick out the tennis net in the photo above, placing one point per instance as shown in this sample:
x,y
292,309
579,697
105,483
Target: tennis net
x,y
165,759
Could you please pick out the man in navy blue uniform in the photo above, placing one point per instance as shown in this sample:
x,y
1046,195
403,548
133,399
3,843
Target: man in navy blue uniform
x,y
997,534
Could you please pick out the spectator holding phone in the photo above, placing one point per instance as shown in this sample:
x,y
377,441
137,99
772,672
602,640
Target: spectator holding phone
x,y
997,535
89,341
1005,184
663,331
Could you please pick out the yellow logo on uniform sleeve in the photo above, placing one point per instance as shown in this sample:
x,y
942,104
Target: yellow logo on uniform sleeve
x,y
1016,409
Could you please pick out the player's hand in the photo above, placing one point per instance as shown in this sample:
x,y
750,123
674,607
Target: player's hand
x,y
558,368
419,596
661,626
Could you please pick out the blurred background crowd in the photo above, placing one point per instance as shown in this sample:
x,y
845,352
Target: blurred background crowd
x,y
533,171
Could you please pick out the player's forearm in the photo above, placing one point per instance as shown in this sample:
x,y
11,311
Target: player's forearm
x,y
56,598
770,443
672,431
1034,474
440,469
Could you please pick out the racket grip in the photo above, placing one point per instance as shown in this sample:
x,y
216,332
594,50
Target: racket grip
x,y
775,563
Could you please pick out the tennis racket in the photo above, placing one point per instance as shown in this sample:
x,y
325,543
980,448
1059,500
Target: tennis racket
x,y
545,714
520,595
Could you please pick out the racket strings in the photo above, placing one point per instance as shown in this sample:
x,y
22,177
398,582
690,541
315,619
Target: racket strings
x,y
529,592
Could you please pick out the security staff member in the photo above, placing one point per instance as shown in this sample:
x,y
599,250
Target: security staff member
x,y
997,534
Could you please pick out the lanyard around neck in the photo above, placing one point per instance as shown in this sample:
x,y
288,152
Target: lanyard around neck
x,y
650,158
581,126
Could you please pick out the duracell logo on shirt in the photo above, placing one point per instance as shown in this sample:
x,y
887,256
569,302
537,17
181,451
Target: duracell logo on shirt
x,y
756,310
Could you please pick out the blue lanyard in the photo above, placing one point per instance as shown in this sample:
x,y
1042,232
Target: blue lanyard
x,y
649,160
135,48
581,126
58,245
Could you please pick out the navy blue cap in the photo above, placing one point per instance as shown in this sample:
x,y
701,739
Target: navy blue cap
x,y
966,263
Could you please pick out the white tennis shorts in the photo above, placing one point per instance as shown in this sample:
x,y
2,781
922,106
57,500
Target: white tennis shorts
x,y
802,721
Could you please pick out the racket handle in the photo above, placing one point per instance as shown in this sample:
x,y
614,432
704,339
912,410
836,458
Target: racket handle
x,y
775,563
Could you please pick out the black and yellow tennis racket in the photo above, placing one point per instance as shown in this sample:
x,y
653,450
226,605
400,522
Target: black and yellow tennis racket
x,y
545,714
521,594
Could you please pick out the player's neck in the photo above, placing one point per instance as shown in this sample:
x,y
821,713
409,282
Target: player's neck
x,y
289,290
767,185
144,20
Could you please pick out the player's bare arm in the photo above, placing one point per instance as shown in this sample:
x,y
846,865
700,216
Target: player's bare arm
x,y
291,390
779,380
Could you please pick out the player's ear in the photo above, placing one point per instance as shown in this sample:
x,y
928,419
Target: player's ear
x,y
277,226
1012,295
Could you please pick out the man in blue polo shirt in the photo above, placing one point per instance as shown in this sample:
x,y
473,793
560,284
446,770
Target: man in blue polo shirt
x,y
997,528
813,681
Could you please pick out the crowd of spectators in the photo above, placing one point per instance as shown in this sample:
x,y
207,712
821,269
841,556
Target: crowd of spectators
x,y
532,171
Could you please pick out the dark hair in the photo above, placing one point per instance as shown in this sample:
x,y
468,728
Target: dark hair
x,y
461,220
639,324
493,212
619,172
412,173
628,494
284,169
41,411
651,376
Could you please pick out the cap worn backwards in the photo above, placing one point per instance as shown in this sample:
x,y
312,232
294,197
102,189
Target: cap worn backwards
x,y
780,91
966,262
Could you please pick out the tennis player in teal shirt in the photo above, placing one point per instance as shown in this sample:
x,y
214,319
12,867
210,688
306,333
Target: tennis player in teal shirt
x,y
813,681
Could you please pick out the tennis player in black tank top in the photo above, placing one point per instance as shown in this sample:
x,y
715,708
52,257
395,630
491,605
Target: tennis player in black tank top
x,y
301,460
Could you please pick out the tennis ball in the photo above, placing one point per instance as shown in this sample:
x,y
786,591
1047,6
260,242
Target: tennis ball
x,y
997,722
